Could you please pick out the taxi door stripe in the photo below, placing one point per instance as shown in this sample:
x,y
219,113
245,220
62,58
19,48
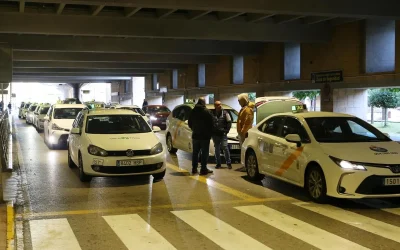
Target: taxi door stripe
x,y
177,128
353,219
136,233
301,230
52,234
218,231
289,161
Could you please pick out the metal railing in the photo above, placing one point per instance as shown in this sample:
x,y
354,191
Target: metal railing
x,y
4,139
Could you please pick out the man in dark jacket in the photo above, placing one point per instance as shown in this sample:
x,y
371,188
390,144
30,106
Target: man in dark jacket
x,y
222,126
201,123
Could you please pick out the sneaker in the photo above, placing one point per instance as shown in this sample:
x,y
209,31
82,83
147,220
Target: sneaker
x,y
218,167
205,171
194,171
229,166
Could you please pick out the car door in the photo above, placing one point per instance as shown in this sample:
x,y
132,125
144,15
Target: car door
x,y
173,126
287,154
74,138
267,141
47,121
185,133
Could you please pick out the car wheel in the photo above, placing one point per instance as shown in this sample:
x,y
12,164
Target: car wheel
x,y
252,167
82,176
159,176
170,146
71,163
315,184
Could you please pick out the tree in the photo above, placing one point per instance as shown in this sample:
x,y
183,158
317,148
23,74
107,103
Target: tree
x,y
383,99
312,94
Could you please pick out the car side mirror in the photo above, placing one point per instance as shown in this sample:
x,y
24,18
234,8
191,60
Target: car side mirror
x,y
76,131
156,129
294,138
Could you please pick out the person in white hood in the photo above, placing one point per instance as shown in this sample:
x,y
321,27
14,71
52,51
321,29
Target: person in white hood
x,y
245,120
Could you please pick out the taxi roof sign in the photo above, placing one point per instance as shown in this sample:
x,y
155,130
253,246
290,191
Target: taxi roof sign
x,y
299,108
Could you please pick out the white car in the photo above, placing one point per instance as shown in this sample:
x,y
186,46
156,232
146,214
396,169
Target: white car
x,y
112,142
329,154
179,135
134,108
24,110
58,123
30,113
41,113
21,109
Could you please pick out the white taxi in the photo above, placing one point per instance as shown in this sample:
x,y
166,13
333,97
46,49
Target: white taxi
x,y
329,154
111,142
179,135
58,122
38,120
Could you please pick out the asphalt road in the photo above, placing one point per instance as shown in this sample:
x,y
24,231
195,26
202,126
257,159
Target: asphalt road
x,y
220,211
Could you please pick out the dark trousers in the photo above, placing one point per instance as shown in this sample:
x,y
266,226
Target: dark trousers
x,y
202,146
221,142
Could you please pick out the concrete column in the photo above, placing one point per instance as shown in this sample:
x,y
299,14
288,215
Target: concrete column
x,y
76,88
327,98
351,101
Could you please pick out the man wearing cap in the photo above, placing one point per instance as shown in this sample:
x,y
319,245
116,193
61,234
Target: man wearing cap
x,y
222,125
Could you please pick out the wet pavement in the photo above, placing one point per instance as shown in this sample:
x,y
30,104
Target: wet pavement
x,y
220,211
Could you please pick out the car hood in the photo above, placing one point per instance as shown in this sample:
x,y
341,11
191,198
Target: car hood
x,y
366,152
64,123
117,142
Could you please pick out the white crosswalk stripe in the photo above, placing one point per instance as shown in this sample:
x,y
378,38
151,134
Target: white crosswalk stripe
x,y
53,234
356,220
218,231
136,233
378,204
299,229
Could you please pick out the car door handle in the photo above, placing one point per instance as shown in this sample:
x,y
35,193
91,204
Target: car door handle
x,y
280,145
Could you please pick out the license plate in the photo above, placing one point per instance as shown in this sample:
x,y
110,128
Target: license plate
x,y
392,181
129,163
235,146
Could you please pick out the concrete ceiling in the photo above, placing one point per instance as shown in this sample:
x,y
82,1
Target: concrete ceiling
x,y
75,40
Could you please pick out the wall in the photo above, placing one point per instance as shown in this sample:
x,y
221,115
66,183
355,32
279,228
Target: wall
x,y
351,101
172,101
138,93
230,100
98,92
278,93
154,100
219,73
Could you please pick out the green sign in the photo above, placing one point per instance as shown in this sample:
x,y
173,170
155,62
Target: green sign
x,y
327,76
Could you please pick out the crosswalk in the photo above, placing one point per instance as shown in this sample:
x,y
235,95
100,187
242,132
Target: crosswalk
x,y
139,232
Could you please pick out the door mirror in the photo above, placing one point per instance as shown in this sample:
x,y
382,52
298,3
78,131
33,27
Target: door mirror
x,y
76,131
156,129
294,138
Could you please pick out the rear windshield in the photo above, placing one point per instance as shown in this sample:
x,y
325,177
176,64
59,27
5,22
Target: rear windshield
x,y
66,113
116,124
137,110
156,109
32,108
44,110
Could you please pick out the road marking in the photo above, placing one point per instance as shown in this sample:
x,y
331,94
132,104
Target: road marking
x,y
353,219
384,206
10,226
218,231
308,233
289,161
53,234
136,233
31,215
217,185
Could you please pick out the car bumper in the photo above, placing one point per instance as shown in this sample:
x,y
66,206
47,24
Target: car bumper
x,y
234,149
364,184
108,166
58,137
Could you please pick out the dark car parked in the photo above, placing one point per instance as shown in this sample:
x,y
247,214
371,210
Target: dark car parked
x,y
158,115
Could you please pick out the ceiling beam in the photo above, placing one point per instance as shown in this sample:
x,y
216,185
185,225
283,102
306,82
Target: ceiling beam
x,y
316,19
75,74
169,28
254,17
38,71
66,79
22,6
196,14
225,16
340,21
94,65
97,9
281,19
345,8
60,8
161,13
130,45
129,11
110,57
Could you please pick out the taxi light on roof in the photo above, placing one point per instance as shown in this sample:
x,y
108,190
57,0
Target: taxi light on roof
x,y
299,108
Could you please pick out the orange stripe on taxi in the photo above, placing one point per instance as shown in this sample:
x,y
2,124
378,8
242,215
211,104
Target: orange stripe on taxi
x,y
289,161
177,128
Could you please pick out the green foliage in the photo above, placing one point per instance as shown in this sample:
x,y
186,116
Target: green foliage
x,y
383,99
302,95
252,96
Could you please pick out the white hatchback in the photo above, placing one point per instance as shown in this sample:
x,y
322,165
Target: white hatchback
x,y
329,154
114,142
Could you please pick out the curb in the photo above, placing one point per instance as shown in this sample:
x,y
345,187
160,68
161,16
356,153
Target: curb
x,y
10,226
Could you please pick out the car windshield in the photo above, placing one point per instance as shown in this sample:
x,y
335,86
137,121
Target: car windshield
x,y
344,129
232,113
66,113
157,109
44,110
116,124
27,105
137,110
32,108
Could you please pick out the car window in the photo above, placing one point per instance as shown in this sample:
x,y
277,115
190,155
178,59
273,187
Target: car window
x,y
44,110
76,121
188,110
293,126
176,112
272,125
156,109
116,124
32,108
66,113
344,129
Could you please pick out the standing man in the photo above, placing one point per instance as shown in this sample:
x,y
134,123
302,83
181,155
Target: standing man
x,y
245,120
222,126
201,123
145,103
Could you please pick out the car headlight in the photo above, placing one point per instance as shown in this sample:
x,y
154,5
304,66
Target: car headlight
x,y
156,149
153,118
93,150
56,127
347,164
